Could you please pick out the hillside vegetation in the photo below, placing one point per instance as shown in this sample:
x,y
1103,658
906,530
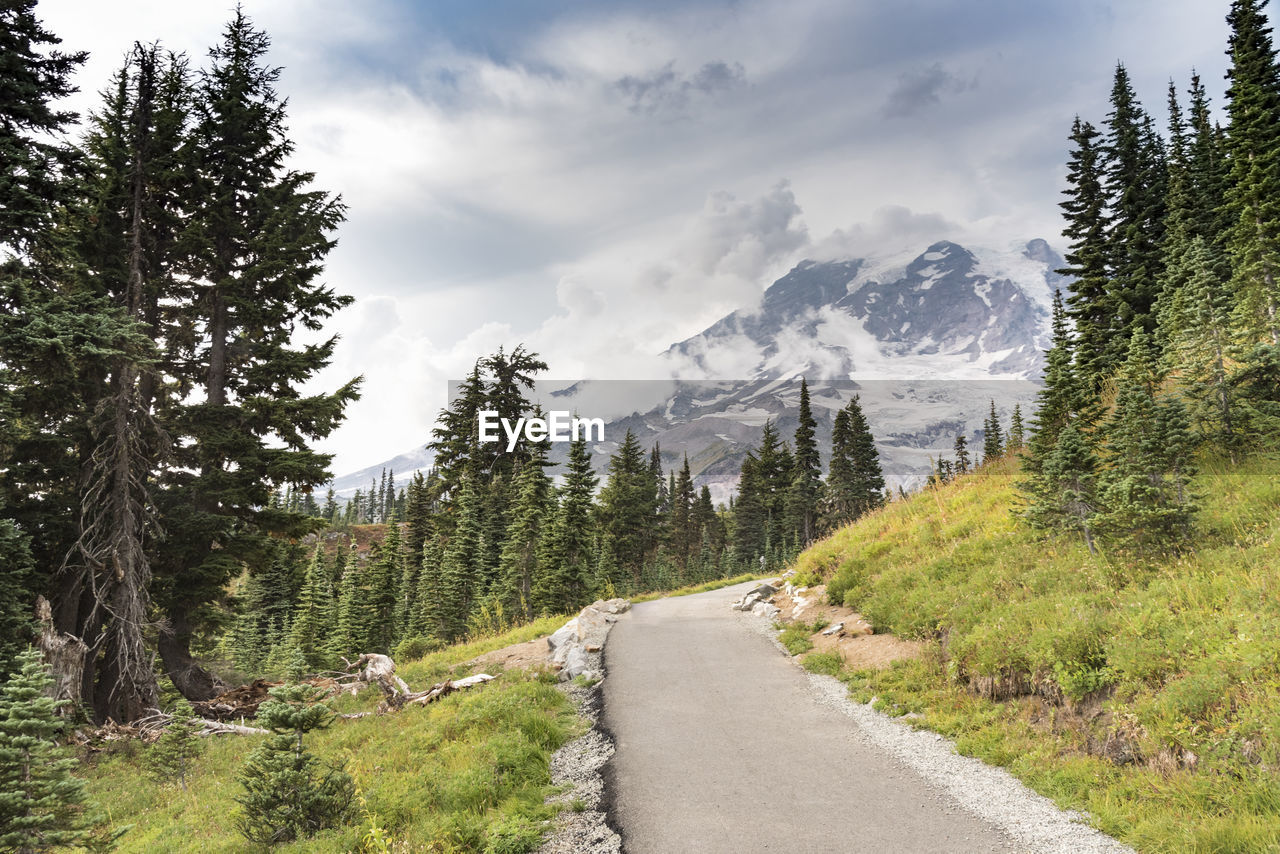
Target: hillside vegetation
x,y
1142,689
468,773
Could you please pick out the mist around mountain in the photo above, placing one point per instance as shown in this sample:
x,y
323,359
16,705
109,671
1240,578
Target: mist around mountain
x,y
927,337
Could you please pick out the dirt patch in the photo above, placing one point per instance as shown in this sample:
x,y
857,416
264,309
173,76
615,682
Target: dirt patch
x,y
528,655
868,652
856,643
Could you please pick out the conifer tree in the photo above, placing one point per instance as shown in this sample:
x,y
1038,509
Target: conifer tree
x,y
288,792
1091,302
173,754
961,449
684,535
1017,430
1066,492
41,803
458,567
1059,399
1135,182
40,340
427,612
33,160
750,514
627,507
1196,326
992,440
1148,446
1253,194
351,637
566,560
383,590
313,614
806,483
519,568
259,235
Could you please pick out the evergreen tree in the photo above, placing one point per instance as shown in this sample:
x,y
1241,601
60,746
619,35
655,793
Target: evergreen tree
x,y
750,514
427,612
855,483
992,439
288,792
41,802
351,638
313,614
806,483
40,336
566,561
383,590
1017,431
458,567
519,568
1066,494
961,449
258,237
1091,302
1253,194
684,535
1135,183
32,160
627,507
173,754
1196,327
1148,446
1059,399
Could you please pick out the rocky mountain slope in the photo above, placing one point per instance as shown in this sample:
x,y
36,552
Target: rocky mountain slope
x,y
926,338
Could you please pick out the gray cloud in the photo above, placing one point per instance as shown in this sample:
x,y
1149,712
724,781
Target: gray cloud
x,y
916,90
667,91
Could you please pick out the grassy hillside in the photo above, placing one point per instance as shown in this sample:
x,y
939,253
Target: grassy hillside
x,y
468,773
1142,689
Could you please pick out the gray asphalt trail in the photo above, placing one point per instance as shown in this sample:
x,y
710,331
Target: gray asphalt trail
x,y
721,747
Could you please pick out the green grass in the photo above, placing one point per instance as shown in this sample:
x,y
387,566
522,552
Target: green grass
x,y
468,773
826,663
797,637
1053,662
703,588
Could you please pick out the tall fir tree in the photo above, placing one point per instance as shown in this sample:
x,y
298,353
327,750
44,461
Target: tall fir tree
x,y
627,508
384,574
806,481
519,567
567,565
33,158
961,450
1091,301
1017,430
1253,194
258,239
992,436
1135,184
313,614
459,567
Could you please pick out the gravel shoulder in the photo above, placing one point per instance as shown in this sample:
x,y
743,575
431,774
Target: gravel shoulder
x,y
725,745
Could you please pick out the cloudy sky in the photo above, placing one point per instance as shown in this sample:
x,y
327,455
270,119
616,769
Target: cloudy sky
x,y
600,180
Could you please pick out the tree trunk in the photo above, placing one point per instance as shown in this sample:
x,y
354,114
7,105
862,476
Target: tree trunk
x,y
193,681
64,654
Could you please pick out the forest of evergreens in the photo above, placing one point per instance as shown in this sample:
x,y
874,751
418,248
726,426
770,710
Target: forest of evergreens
x,y
162,307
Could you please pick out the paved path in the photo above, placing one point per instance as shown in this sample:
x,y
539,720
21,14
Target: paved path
x,y
721,747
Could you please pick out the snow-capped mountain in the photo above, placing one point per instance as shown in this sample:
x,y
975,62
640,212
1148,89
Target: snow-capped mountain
x,y
946,312
926,339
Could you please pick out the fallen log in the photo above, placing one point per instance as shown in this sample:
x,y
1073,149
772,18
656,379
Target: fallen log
x,y
219,727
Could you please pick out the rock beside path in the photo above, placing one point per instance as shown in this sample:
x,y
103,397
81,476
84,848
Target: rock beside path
x,y
575,646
